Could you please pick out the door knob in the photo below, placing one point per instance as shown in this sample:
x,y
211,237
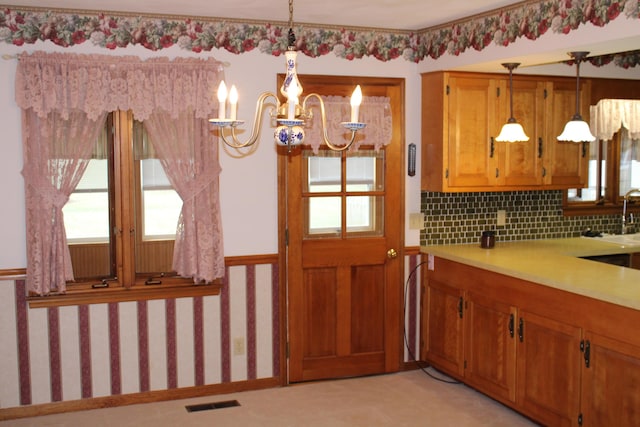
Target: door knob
x,y
391,254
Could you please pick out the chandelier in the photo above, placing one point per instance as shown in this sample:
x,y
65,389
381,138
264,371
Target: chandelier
x,y
576,129
290,115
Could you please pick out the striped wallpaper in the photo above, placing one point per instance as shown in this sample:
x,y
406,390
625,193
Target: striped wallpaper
x,y
75,352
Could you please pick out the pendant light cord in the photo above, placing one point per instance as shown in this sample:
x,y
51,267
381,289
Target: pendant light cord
x,y
292,36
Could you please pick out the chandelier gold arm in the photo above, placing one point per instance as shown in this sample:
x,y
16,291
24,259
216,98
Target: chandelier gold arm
x,y
255,131
325,136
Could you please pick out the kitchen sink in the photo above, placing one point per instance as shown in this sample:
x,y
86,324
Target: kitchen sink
x,y
620,239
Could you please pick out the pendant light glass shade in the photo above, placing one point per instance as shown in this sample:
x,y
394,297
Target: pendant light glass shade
x,y
576,129
512,131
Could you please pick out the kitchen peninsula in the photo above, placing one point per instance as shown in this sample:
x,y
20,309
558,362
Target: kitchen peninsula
x,y
537,327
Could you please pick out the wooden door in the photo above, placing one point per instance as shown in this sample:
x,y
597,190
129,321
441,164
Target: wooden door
x,y
344,220
443,313
474,112
490,346
610,383
548,369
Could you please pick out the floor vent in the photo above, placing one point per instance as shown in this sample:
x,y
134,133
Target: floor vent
x,y
213,405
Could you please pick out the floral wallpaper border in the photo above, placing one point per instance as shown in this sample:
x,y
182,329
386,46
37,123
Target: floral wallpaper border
x,y
502,27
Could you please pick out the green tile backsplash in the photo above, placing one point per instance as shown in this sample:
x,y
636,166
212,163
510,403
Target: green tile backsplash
x,y
452,218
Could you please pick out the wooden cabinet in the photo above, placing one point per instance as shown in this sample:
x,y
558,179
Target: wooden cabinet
x,y
490,346
548,369
462,113
566,164
635,260
559,358
444,325
611,374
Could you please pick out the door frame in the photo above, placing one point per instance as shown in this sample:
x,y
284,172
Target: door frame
x,y
314,83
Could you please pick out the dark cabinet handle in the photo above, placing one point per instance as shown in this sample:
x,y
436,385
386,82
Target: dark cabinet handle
x,y
492,148
539,148
521,330
511,325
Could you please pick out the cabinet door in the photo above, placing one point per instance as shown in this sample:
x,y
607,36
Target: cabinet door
x,y
567,162
610,383
521,162
473,114
490,347
548,369
443,306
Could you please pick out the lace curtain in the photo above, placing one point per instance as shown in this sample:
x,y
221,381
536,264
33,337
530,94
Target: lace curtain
x,y
609,115
65,98
374,111
190,161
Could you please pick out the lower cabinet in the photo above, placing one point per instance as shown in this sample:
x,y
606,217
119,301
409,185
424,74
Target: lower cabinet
x,y
531,347
610,382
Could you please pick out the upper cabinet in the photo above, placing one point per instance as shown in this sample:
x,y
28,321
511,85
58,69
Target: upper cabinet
x,y
462,113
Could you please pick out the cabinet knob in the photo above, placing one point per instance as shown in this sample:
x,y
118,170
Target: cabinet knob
x,y
392,253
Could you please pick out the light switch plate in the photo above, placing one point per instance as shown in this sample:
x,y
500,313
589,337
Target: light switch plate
x,y
416,221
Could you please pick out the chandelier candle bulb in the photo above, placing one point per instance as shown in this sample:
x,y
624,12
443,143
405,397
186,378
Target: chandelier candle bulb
x,y
233,103
356,100
292,100
222,100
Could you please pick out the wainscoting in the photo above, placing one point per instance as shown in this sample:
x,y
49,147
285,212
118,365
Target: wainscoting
x,y
78,357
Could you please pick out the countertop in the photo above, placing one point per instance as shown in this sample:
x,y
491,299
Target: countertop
x,y
555,263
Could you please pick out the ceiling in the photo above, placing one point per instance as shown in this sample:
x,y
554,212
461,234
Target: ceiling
x,y
403,15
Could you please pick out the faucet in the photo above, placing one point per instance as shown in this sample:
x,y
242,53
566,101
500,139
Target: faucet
x,y
627,225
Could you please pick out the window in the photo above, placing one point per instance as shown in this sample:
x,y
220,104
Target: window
x,y
97,214
614,169
122,180
361,193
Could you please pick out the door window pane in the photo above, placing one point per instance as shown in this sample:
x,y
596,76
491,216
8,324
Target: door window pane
x,y
364,216
324,216
364,170
324,171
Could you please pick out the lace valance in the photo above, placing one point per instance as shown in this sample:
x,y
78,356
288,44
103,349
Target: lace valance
x,y
375,111
609,115
95,84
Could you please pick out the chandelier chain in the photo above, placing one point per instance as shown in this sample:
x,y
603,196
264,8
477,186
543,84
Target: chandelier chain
x,y
290,13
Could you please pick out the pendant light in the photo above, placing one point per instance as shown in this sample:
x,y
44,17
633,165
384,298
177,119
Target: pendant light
x,y
576,129
512,131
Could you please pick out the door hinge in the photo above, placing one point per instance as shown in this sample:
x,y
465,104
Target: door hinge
x,y
446,173
497,92
579,419
460,306
448,90
585,347
546,93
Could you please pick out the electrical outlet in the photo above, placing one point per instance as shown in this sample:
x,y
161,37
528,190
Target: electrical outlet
x,y
501,221
238,346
